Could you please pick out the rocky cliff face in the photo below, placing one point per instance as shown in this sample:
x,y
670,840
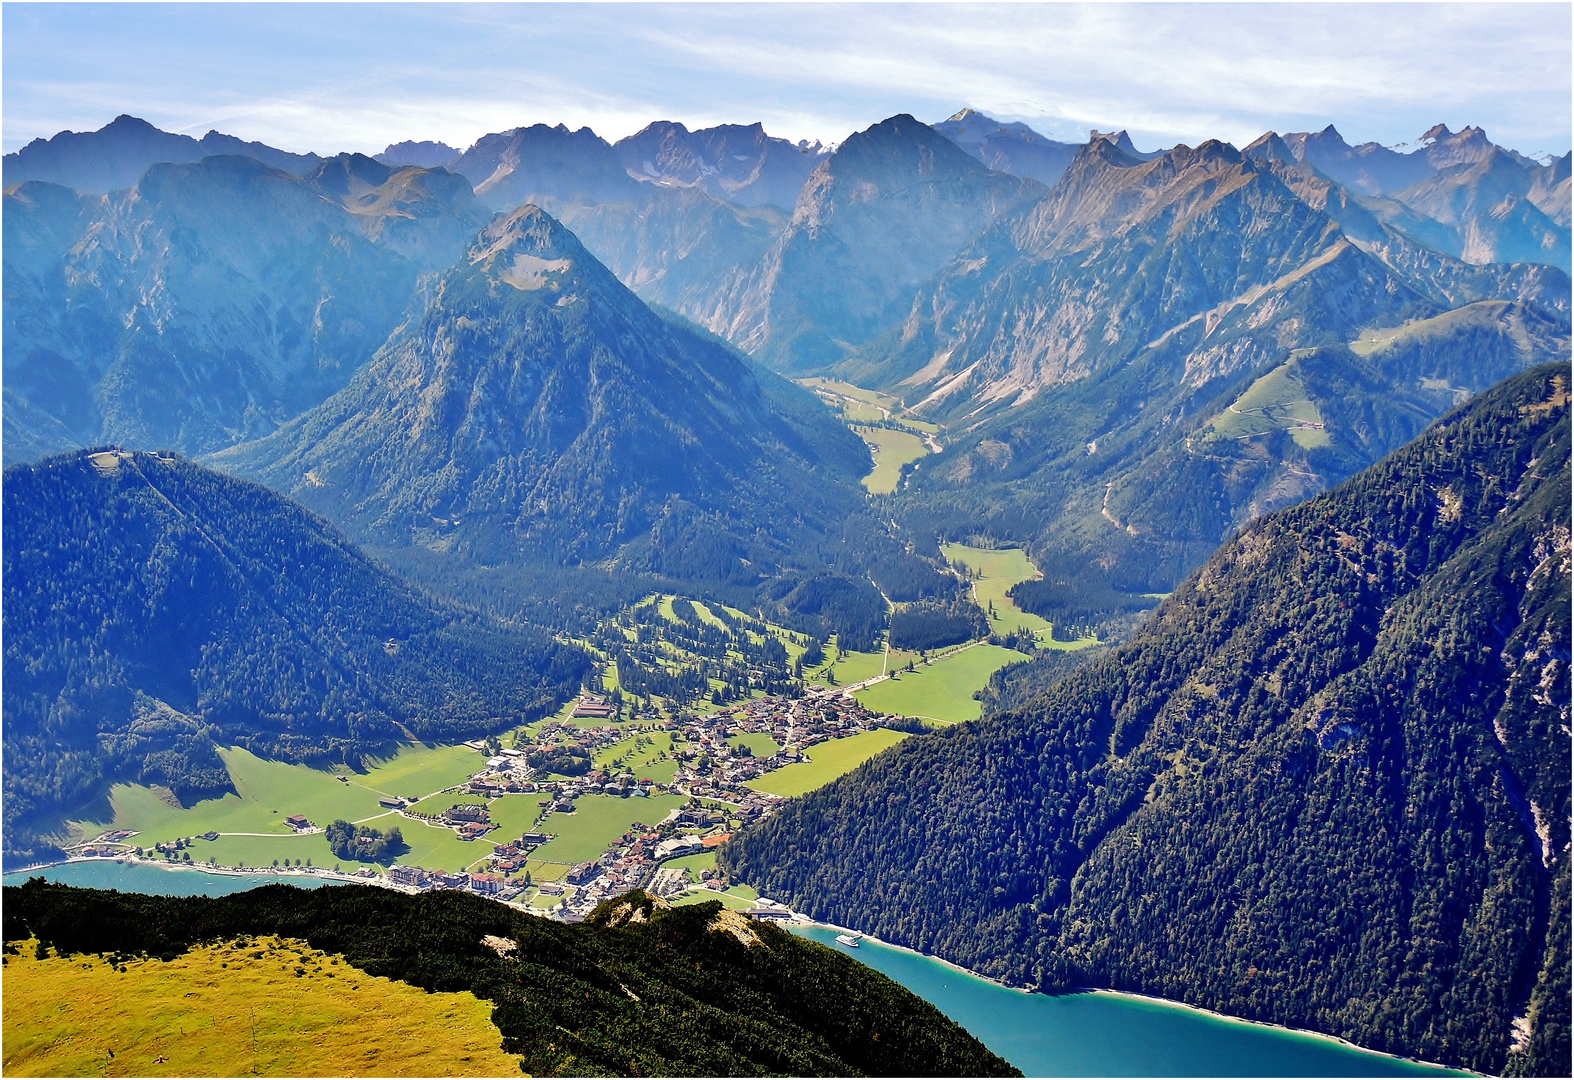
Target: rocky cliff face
x,y
213,300
888,209
536,408
736,162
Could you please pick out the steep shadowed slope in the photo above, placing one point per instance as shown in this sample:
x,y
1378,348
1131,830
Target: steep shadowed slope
x,y
537,408
154,607
1326,785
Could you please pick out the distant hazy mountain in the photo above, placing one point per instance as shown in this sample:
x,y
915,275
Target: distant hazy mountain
x,y
1485,204
1372,169
1457,193
1013,148
153,608
893,205
428,155
1019,150
544,165
538,409
736,162
117,154
213,300
1326,785
1549,190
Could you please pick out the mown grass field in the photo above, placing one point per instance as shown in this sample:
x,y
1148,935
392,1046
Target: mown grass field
x,y
728,899
827,761
998,569
694,864
226,1011
598,820
851,667
942,690
892,450
759,743
269,791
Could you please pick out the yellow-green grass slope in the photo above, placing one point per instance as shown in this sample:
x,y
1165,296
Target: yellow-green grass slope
x,y
827,761
266,1007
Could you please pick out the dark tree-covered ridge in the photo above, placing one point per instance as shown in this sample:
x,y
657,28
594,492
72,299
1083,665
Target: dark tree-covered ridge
x,y
154,608
1327,785
639,990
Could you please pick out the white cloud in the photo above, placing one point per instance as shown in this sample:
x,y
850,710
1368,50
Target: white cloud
x,y
359,76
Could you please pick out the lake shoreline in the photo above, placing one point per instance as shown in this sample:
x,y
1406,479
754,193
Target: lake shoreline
x,y
1153,998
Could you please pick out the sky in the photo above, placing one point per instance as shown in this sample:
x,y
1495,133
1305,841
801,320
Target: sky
x,y
356,77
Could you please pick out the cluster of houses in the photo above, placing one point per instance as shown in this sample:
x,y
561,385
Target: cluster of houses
x,y
711,770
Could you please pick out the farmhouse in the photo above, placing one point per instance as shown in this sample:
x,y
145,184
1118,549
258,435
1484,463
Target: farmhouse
x,y
297,822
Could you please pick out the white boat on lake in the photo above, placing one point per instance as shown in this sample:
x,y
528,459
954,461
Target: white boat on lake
x,y
847,939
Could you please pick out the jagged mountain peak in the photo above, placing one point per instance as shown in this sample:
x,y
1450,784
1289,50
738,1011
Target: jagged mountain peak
x,y
530,249
342,173
1270,147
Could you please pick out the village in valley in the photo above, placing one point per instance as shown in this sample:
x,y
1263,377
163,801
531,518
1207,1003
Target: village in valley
x,y
700,720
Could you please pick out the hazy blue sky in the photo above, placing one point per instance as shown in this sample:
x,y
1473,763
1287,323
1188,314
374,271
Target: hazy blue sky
x,y
358,76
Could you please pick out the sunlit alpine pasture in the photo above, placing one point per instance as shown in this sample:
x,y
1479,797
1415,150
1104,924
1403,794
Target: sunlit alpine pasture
x,y
257,1007
943,689
827,761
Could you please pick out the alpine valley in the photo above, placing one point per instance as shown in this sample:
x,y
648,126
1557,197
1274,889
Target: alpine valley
x,y
1095,567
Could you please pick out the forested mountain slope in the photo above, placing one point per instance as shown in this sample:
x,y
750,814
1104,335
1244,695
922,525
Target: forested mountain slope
x,y
1326,785
153,607
536,408
640,989
214,300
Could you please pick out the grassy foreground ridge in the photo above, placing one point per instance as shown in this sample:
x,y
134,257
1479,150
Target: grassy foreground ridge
x,y
639,989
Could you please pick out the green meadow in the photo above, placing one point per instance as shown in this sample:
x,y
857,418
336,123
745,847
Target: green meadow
x,y
997,570
728,899
892,451
760,744
597,821
943,689
1276,402
850,667
827,761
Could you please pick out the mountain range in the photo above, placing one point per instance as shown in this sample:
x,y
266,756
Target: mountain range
x,y
536,405
211,301
1325,786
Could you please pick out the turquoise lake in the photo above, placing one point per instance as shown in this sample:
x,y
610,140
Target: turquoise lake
x,y
158,881
1104,1034
1097,1034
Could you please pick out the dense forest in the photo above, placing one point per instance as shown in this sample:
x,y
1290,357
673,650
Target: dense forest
x,y
640,989
154,608
1326,784
931,625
